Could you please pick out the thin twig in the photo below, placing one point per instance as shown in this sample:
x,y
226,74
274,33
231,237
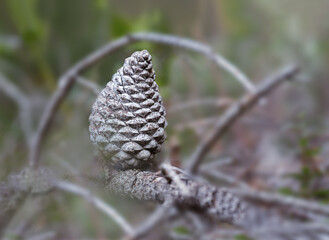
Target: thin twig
x,y
43,236
154,219
174,176
199,48
98,203
196,124
23,103
216,102
67,80
235,112
276,198
89,85
224,177
64,86
216,163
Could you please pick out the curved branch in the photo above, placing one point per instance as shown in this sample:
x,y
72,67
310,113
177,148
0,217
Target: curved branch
x,y
98,203
234,112
23,103
198,47
64,86
67,80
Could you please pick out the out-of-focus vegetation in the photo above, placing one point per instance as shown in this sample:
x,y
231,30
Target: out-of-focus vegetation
x,y
283,146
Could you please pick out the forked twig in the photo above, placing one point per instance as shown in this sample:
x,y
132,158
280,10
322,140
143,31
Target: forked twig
x,y
175,177
235,111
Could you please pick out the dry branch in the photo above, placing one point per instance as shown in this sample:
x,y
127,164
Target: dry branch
x,y
67,80
23,103
159,215
149,186
282,200
235,112
89,85
98,203
198,47
12,195
214,102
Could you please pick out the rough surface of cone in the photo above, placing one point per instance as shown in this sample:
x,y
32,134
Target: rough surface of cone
x,y
128,118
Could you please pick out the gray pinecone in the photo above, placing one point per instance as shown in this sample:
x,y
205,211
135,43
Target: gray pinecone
x,y
128,119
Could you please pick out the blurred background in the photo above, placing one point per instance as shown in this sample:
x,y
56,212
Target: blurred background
x,y
280,146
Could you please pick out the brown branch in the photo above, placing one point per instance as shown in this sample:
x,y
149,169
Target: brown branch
x,y
234,112
67,80
149,186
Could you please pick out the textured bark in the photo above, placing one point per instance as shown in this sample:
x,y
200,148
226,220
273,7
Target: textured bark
x,y
142,185
16,189
12,197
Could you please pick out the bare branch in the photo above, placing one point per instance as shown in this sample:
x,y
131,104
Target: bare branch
x,y
67,80
279,199
43,236
199,48
64,86
154,219
175,177
224,177
149,186
216,102
23,103
196,124
216,163
98,203
235,112
12,197
291,230
88,85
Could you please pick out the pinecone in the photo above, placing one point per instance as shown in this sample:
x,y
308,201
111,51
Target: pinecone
x,y
128,119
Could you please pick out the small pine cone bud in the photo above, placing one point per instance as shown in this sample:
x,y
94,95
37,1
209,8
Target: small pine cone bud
x,y
128,119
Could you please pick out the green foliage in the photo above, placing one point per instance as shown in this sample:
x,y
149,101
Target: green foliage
x,y
29,25
306,150
242,237
153,21
287,191
187,140
182,230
